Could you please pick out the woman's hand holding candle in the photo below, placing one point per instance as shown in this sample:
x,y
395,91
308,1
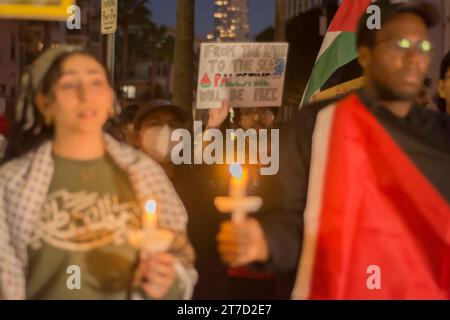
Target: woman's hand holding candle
x,y
157,272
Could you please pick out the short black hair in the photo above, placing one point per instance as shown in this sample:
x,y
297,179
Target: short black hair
x,y
389,10
445,65
237,112
148,109
365,37
127,115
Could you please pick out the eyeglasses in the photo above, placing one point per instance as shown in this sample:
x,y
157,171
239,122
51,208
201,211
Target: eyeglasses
x,y
424,47
251,113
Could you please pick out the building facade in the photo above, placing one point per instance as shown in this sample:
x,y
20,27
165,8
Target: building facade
x,y
21,42
295,7
230,21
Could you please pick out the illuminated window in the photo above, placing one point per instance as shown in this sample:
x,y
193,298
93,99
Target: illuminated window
x,y
129,92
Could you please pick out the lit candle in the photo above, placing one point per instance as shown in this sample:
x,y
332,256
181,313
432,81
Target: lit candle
x,y
238,191
238,202
150,219
150,238
238,180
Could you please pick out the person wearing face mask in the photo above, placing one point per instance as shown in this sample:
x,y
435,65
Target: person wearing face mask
x,y
195,185
153,126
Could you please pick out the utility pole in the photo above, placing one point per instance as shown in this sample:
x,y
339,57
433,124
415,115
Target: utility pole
x,y
184,55
110,55
280,21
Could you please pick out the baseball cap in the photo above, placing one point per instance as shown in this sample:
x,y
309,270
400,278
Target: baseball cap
x,y
389,8
148,109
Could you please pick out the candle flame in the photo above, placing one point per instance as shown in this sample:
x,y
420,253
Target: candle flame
x,y
236,170
239,175
149,217
150,207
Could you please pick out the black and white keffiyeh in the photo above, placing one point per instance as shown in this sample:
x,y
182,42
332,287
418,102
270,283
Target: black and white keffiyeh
x,y
24,184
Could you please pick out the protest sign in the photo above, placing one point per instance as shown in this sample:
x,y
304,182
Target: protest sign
x,y
246,74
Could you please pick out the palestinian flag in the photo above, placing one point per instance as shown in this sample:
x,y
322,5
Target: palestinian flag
x,y
338,47
375,225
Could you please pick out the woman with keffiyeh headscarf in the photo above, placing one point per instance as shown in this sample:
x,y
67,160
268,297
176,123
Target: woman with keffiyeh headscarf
x,y
70,193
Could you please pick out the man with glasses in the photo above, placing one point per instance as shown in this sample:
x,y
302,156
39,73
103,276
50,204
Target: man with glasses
x,y
255,118
366,179
374,218
248,283
216,279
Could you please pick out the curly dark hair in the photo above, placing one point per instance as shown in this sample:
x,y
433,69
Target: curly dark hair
x,y
237,112
445,66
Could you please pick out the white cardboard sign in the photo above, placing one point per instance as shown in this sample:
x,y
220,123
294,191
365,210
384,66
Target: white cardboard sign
x,y
248,74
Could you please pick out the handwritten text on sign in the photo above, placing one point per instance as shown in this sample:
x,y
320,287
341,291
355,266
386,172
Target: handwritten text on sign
x,y
246,74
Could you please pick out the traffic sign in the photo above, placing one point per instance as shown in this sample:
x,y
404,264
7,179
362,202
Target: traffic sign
x,y
109,16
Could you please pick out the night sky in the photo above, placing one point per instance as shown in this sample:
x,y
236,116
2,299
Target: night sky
x,y
261,15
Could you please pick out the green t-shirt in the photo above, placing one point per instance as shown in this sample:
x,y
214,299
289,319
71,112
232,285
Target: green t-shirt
x,y
82,234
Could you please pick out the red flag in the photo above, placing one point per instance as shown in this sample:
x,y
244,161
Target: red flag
x,y
375,227
348,15
3,125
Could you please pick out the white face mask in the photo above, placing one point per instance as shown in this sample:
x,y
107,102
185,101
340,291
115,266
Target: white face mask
x,y
155,141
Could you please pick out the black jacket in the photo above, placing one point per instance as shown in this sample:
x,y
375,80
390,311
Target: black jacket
x,y
424,135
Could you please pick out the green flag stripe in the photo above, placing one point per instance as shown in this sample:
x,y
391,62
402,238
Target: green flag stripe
x,y
339,53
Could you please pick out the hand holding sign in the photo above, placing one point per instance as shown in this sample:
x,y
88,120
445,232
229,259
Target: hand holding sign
x,y
217,116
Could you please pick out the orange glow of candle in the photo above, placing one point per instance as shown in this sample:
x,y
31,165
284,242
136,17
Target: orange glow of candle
x,y
238,180
150,219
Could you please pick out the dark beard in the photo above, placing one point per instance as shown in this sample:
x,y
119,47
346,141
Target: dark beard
x,y
385,93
